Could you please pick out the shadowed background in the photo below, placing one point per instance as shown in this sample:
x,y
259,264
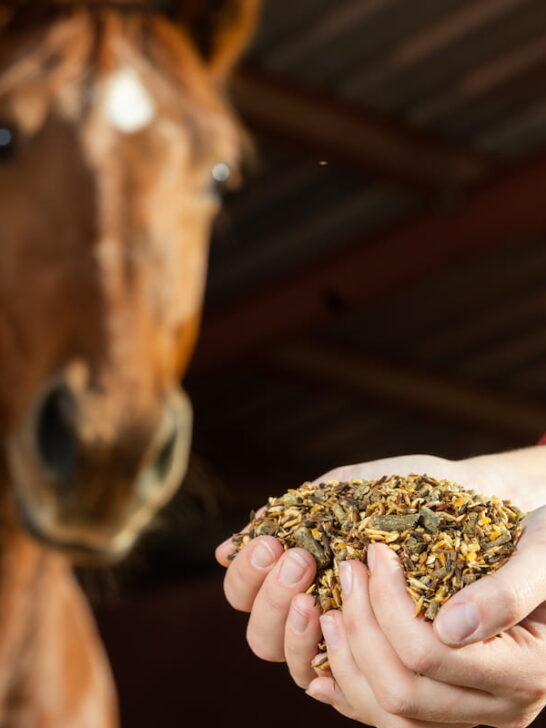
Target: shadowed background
x,y
376,288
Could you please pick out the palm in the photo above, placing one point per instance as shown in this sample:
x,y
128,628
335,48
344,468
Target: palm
x,y
527,492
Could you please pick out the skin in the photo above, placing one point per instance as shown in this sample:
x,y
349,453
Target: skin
x,y
388,668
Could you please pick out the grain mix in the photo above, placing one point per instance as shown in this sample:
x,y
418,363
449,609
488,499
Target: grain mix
x,y
446,536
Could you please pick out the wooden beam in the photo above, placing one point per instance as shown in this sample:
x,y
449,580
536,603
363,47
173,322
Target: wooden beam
x,y
413,388
513,315
505,211
346,135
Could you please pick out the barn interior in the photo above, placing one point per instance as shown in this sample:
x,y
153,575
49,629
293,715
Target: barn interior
x,y
376,288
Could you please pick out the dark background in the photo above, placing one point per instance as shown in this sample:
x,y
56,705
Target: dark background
x,y
376,288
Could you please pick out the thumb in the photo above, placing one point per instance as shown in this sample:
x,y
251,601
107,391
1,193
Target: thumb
x,y
501,600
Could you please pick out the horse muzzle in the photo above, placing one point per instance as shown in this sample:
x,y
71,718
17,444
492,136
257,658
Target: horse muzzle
x,y
92,498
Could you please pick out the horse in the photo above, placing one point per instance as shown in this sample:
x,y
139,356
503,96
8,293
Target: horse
x,y
115,131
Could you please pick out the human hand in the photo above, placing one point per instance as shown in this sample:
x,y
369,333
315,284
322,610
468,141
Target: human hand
x,y
284,622
265,580
391,669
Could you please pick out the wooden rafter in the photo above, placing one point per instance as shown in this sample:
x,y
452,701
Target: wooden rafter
x,y
346,135
411,388
509,209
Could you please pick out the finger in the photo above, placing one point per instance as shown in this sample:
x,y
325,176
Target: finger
x,y
355,687
362,703
397,688
301,638
481,666
248,571
293,574
326,690
499,601
227,547
224,551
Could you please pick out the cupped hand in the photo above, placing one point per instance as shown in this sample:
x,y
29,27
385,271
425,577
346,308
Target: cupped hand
x,y
263,579
284,622
482,661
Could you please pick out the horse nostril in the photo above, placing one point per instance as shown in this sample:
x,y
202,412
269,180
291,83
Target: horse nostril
x,y
166,467
164,460
55,437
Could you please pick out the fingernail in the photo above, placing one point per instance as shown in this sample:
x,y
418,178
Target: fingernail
x,y
370,559
292,568
316,695
330,631
346,577
262,556
458,623
298,620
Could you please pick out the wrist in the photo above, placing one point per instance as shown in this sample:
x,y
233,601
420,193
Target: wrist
x,y
519,476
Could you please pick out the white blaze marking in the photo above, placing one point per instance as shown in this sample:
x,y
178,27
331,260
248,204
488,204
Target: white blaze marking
x,y
127,105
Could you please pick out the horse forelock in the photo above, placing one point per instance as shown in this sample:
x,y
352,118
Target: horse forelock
x,y
82,45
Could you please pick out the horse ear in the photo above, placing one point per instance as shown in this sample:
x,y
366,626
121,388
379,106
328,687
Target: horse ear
x,y
219,28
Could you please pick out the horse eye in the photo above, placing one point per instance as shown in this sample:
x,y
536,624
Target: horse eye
x,y
7,143
221,177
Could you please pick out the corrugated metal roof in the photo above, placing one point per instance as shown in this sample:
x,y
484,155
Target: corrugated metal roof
x,y
470,70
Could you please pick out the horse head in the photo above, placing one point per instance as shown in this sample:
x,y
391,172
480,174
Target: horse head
x,y
114,133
